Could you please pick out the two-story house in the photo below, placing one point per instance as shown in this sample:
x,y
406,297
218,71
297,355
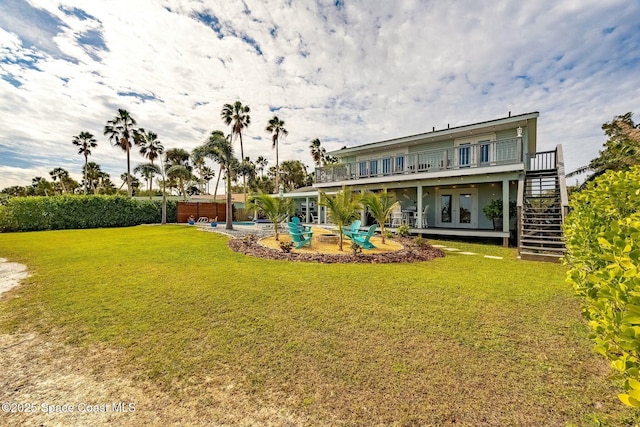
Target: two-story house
x,y
444,178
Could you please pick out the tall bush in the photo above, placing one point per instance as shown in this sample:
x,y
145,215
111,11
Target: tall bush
x,y
603,251
74,212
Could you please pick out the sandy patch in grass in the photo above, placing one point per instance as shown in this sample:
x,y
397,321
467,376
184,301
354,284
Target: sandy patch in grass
x,y
10,274
46,375
331,248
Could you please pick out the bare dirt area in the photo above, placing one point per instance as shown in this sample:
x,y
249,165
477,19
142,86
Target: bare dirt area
x,y
10,274
47,383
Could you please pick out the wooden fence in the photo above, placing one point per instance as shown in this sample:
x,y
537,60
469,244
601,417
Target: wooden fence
x,y
200,209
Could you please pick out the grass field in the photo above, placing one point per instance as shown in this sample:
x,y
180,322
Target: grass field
x,y
461,340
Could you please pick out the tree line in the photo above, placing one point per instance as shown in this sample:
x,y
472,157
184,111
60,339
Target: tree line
x,y
176,170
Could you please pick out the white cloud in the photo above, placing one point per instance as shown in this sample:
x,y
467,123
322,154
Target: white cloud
x,y
347,75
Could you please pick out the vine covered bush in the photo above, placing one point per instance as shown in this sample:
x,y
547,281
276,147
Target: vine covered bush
x,y
603,252
75,212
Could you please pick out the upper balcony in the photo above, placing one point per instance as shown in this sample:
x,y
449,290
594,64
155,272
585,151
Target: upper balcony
x,y
464,156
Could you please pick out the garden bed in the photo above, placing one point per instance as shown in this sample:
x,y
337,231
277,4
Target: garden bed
x,y
410,252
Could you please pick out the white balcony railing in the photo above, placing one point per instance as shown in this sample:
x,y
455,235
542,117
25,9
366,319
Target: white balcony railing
x,y
478,155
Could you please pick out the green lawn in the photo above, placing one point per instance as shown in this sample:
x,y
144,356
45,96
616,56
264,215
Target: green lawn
x,y
461,340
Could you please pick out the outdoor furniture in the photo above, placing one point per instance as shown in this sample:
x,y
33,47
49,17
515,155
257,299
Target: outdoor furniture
x,y
425,222
299,238
354,228
301,227
396,215
362,240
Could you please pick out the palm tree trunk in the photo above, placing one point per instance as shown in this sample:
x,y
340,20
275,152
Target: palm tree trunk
x,y
86,184
277,168
129,171
229,225
150,181
215,192
244,177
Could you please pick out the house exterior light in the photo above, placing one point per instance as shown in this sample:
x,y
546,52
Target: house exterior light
x,y
519,130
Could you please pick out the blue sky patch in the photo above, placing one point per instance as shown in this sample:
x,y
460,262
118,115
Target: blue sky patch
x,y
78,13
608,30
35,27
210,21
28,61
141,96
12,80
526,79
251,42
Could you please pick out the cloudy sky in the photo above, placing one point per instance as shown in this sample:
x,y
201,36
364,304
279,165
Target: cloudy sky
x,y
346,72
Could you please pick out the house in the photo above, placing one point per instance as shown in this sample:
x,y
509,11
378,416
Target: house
x,y
444,178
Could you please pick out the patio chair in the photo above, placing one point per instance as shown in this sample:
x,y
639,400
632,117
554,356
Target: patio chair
x,y
301,227
354,228
362,240
299,239
396,215
425,222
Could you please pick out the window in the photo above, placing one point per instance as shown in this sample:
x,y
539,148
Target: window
x,y
484,151
373,167
400,163
363,169
386,166
464,153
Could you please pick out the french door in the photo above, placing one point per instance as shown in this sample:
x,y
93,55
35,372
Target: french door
x,y
457,208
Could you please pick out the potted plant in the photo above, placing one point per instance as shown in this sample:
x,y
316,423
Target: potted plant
x,y
493,211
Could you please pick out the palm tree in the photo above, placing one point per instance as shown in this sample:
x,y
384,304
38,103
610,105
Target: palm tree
x,y
86,142
207,175
317,152
261,163
177,166
147,171
62,175
150,147
343,208
380,207
122,133
237,115
92,173
219,148
198,161
276,128
275,208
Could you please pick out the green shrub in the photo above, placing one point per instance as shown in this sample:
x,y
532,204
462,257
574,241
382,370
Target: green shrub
x,y
74,212
603,251
403,230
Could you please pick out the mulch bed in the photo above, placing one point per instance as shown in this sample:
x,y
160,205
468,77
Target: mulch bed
x,y
409,253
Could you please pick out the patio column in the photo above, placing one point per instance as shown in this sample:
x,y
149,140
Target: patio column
x,y
306,217
363,212
505,210
419,208
319,208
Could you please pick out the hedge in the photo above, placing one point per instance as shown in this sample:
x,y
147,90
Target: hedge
x,y
602,235
73,212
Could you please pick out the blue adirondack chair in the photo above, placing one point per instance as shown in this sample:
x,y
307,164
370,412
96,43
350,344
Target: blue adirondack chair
x,y
353,229
301,227
362,240
299,238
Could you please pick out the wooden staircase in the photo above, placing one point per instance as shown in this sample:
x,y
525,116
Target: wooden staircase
x,y
542,208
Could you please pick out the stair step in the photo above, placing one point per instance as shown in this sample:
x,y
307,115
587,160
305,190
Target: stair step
x,y
545,248
525,241
538,237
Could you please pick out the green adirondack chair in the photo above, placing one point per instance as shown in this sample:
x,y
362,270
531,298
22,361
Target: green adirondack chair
x,y
353,229
362,240
299,238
